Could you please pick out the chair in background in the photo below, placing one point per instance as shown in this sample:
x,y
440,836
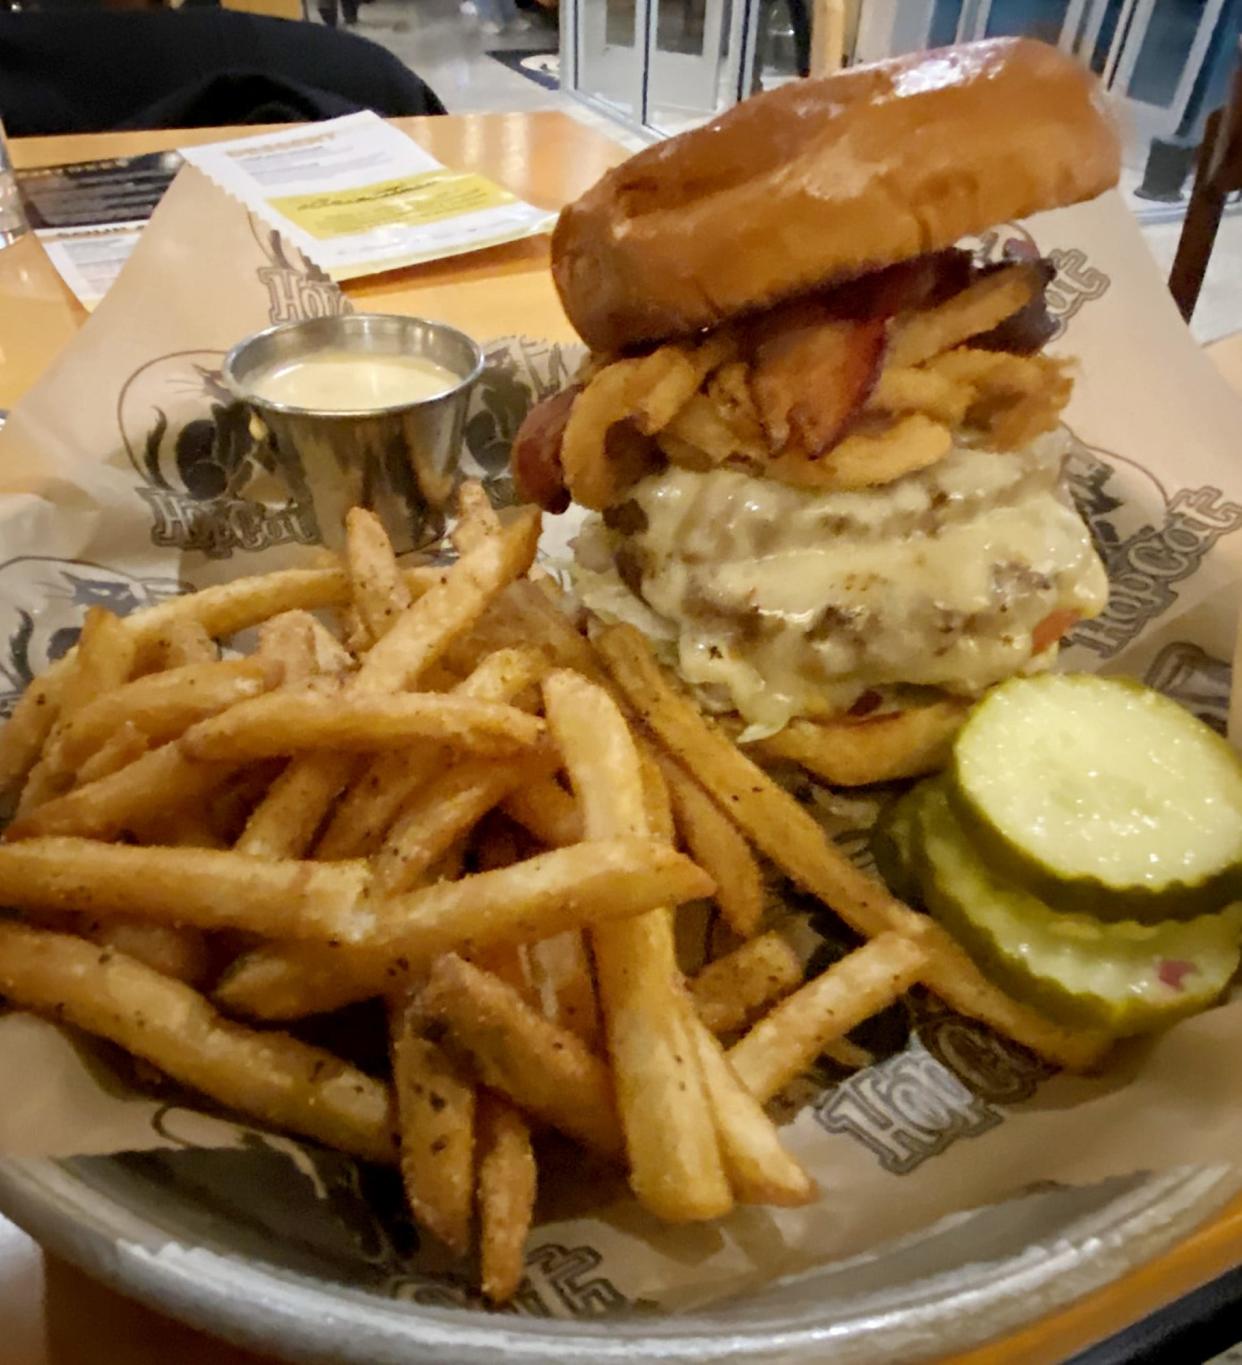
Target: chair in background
x,y
827,36
96,71
1219,174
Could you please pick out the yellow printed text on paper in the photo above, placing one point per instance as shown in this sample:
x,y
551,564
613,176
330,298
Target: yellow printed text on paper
x,y
407,201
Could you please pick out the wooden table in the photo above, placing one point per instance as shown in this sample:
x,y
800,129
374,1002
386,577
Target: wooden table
x,y
51,1314
546,158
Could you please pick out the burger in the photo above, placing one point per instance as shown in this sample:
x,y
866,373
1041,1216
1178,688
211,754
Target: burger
x,y
818,437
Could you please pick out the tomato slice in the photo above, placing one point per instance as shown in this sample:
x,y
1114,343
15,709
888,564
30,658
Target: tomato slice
x,y
1053,627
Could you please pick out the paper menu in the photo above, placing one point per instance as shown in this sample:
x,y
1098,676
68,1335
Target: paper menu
x,y
90,258
357,196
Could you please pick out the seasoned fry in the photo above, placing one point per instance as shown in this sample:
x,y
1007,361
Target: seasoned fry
x,y
379,592
546,1071
160,780
161,705
506,1196
124,746
106,654
477,519
292,980
291,722
773,820
388,781
760,1170
560,968
788,1039
731,991
438,815
715,844
270,1076
545,809
420,636
211,888
854,753
179,644
173,950
674,1156
221,610
103,660
569,888
286,820
436,1106
286,640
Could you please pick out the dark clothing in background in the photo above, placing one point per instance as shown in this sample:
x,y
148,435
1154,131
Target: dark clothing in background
x,y
93,71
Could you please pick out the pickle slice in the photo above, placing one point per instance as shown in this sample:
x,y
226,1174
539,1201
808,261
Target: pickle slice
x,y
892,846
1121,977
1101,796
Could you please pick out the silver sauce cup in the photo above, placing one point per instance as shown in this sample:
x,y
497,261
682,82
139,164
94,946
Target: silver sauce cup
x,y
399,461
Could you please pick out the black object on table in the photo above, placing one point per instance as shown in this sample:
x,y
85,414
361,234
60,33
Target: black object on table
x,y
1197,1327
192,68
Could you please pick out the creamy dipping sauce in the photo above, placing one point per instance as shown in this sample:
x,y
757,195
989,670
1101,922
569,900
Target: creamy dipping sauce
x,y
337,380
779,602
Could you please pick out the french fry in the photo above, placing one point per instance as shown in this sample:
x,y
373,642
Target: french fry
x,y
769,816
438,815
286,820
173,950
854,753
760,1170
569,888
525,615
674,1156
124,746
560,968
270,1076
507,1178
387,782
545,1070
103,660
731,991
545,809
436,1106
286,641
715,844
292,722
785,1042
212,888
848,1054
159,781
379,592
279,981
657,807
424,631
477,519
179,644
779,826
161,705
221,610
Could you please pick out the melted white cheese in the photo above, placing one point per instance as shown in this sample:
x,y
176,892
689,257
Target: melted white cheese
x,y
786,603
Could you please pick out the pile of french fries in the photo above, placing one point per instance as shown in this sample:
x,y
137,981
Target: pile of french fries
x,y
458,804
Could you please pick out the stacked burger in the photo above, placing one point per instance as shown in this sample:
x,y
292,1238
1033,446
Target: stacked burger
x,y
821,439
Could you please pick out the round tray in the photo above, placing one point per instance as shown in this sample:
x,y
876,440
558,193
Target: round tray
x,y
292,1260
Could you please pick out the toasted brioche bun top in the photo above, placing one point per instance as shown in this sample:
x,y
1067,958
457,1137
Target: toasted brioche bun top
x,y
822,180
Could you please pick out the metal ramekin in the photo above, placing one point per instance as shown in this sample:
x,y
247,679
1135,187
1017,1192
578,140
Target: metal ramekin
x,y
399,461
